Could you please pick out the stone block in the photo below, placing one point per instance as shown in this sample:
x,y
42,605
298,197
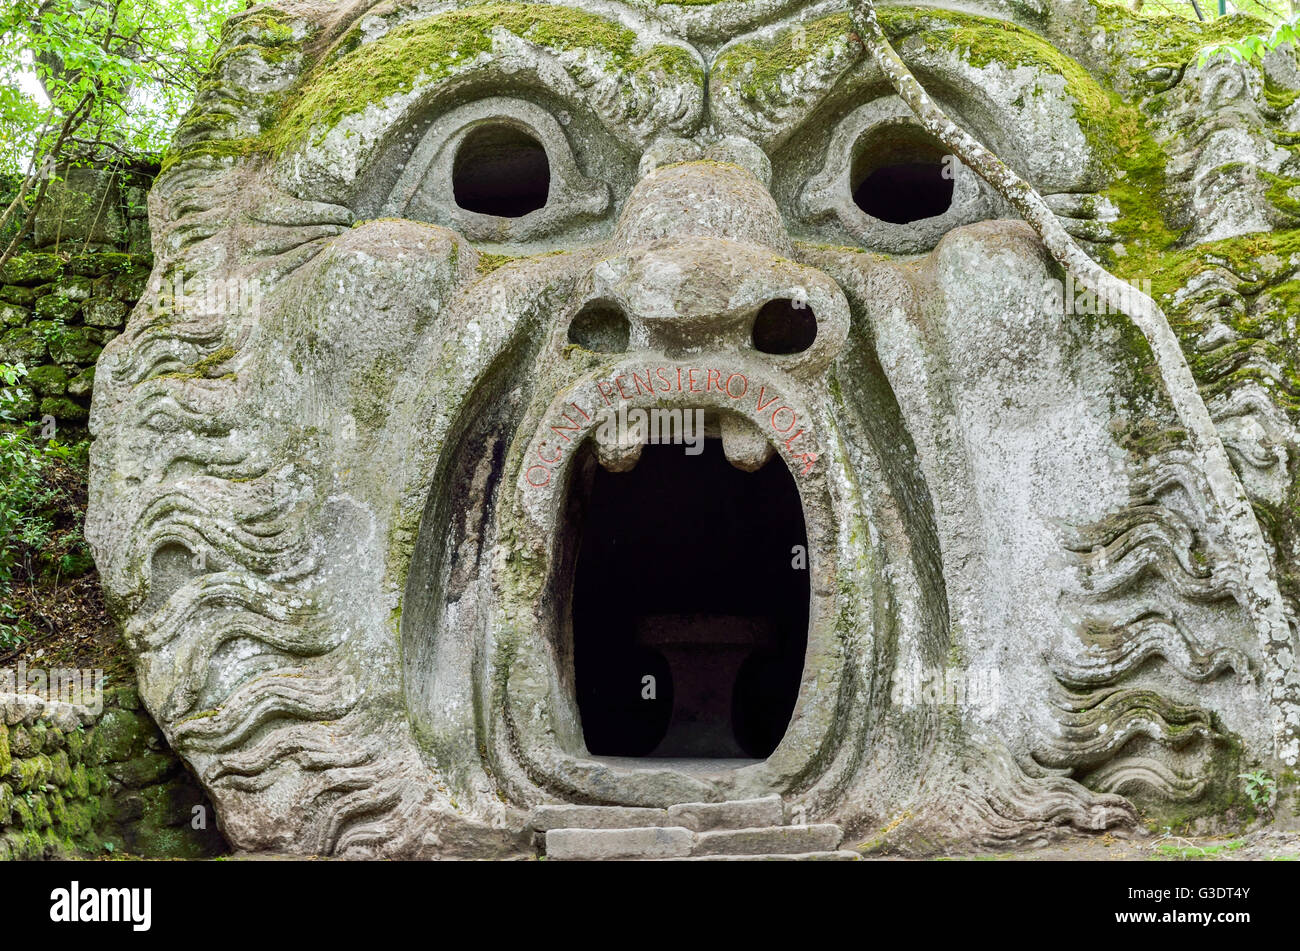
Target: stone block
x,y
101,312
82,206
21,345
545,818
64,411
823,837
14,315
31,269
57,307
653,843
48,380
74,345
737,814
82,384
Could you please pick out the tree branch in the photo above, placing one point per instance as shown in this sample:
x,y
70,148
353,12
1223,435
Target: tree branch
x,y
71,123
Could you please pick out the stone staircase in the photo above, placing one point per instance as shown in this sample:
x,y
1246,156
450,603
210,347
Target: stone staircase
x,y
740,830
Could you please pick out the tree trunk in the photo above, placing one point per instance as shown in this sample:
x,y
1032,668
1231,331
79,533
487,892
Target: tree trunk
x,y
1230,510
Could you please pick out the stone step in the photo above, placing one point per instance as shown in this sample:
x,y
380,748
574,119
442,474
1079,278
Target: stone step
x,y
697,816
651,843
841,855
736,814
675,842
546,818
823,837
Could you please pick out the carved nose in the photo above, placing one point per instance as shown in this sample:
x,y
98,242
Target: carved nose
x,y
701,264
701,199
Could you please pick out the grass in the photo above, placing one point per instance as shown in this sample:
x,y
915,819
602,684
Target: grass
x,y
1184,850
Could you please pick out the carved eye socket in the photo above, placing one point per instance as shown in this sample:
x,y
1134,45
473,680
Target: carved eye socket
x,y
888,185
501,170
600,326
899,175
784,326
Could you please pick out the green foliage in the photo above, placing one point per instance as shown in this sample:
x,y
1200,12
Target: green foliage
x,y
134,63
1260,788
20,489
1285,34
92,83
32,542
1209,9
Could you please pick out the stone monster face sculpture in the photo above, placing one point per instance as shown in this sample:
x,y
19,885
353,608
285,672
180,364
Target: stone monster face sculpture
x,y
631,404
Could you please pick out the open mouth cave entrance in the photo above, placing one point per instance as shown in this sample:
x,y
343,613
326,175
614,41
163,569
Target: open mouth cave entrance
x,y
690,605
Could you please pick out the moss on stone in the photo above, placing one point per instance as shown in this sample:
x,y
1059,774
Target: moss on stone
x,y
1172,40
204,368
763,64
120,734
33,268
433,48
219,149
49,380
488,262
63,409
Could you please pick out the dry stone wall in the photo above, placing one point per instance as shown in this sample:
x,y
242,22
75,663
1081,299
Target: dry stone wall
x,y
76,782
56,313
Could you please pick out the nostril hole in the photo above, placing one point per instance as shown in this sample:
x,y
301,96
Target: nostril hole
x,y
600,326
784,326
500,170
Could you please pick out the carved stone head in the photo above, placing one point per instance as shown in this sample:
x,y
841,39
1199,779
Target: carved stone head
x,y
629,403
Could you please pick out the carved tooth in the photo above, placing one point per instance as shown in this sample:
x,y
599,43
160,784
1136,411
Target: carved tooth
x,y
618,447
743,444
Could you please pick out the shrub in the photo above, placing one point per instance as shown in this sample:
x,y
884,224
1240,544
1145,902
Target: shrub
x,y
24,497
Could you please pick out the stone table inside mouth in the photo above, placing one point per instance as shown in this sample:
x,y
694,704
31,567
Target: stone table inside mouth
x,y
704,653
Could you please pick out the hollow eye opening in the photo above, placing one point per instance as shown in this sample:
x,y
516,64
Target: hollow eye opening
x,y
901,175
784,326
600,326
500,170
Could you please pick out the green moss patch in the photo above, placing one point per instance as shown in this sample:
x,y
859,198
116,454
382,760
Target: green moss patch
x,y
1172,41
431,49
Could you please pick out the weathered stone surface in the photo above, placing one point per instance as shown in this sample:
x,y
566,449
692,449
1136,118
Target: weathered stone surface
x,y
30,269
83,206
822,837
81,384
49,380
21,345
337,471
56,307
73,286
74,345
544,818
23,297
64,411
838,856
104,313
737,814
11,315
588,844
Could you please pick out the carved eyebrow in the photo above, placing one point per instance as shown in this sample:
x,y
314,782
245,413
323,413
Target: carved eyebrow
x,y
660,81
750,80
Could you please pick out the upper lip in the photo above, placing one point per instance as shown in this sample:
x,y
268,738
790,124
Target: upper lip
x,y
618,445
